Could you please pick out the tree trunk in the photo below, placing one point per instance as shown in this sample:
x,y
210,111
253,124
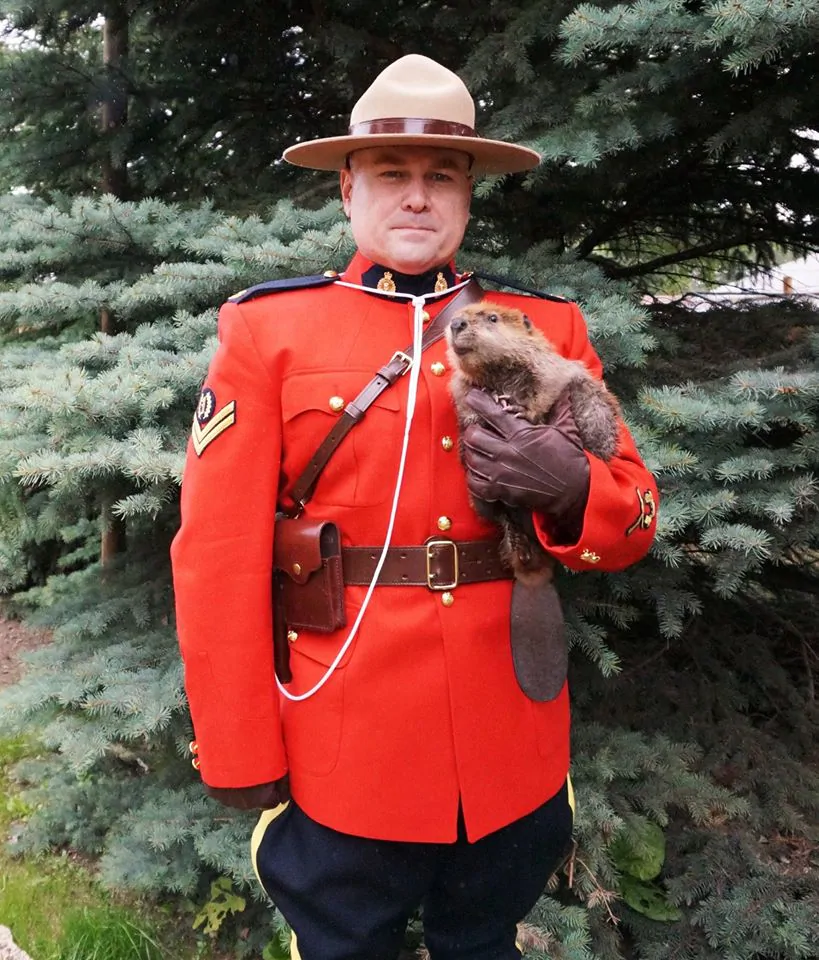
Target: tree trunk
x,y
114,181
115,96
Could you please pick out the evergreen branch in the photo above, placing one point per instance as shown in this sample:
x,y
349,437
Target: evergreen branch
x,y
700,251
789,578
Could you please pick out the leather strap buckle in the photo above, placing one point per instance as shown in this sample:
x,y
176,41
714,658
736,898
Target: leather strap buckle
x,y
431,547
404,358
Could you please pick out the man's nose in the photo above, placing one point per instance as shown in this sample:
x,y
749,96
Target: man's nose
x,y
416,196
457,325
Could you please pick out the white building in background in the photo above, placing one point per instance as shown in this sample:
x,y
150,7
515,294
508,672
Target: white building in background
x,y
797,279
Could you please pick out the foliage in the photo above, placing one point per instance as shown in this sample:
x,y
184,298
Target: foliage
x,y
54,906
106,935
223,903
673,132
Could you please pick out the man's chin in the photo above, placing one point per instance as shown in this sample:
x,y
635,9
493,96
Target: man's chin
x,y
407,262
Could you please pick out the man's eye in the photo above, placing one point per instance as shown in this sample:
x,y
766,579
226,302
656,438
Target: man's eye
x,y
441,177
392,174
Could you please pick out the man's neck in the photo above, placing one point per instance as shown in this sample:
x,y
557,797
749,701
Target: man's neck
x,y
384,280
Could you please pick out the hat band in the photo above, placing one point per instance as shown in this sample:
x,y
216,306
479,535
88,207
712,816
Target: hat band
x,y
411,125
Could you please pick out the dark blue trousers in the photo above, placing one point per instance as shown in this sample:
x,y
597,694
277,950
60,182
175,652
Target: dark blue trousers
x,y
349,898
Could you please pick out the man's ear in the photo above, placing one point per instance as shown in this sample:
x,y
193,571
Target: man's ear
x,y
345,183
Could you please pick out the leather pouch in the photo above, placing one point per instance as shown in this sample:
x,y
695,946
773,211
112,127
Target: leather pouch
x,y
308,586
307,564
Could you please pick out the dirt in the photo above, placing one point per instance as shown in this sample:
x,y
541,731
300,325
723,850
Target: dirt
x,y
15,639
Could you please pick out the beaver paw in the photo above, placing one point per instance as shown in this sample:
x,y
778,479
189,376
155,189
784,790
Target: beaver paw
x,y
506,403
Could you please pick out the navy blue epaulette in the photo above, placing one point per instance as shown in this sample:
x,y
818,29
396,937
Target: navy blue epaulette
x,y
279,286
506,282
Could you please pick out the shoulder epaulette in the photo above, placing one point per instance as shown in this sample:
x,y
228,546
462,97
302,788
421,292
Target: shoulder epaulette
x,y
279,286
506,282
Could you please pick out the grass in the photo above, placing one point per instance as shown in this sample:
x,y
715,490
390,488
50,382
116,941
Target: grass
x,y
57,911
106,935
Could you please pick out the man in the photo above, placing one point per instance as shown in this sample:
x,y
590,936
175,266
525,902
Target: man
x,y
420,772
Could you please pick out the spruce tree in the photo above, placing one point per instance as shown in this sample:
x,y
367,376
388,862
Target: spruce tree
x,y
706,634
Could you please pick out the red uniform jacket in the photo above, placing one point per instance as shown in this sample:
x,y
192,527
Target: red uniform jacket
x,y
424,709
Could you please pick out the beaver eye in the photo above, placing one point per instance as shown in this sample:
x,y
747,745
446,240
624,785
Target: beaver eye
x,y
492,317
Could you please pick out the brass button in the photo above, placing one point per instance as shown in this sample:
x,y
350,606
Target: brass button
x,y
336,404
296,568
331,274
447,598
292,636
424,316
444,523
193,746
195,763
447,443
438,369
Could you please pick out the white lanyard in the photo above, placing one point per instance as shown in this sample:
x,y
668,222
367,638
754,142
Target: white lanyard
x,y
414,374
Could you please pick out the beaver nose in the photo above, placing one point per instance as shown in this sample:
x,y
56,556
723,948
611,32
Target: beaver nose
x,y
458,325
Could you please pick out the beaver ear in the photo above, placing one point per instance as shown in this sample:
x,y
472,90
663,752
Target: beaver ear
x,y
527,322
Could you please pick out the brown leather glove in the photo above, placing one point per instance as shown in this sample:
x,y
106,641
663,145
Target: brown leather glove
x,y
262,796
541,467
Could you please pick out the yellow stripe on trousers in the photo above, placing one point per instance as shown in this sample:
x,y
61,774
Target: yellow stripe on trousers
x,y
267,817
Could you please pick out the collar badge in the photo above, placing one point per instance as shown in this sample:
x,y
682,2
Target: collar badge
x,y
386,284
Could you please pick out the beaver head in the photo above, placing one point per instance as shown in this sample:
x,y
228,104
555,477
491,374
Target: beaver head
x,y
488,337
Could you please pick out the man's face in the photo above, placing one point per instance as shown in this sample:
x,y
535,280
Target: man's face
x,y
408,206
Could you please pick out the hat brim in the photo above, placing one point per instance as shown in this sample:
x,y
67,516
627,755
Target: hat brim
x,y
488,156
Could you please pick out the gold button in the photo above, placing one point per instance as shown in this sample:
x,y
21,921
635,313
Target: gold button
x,y
447,443
195,763
447,598
292,636
424,316
193,746
331,274
444,523
297,568
336,404
438,369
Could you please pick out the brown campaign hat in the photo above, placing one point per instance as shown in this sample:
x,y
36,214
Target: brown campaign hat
x,y
415,102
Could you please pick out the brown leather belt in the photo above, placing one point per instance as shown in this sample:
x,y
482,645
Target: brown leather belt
x,y
439,564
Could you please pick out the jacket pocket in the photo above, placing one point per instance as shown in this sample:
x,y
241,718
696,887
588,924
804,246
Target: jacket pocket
x,y
362,470
312,728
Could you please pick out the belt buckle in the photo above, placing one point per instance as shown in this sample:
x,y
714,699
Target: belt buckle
x,y
402,358
430,544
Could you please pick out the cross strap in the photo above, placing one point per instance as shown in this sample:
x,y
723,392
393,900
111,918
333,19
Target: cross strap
x,y
353,413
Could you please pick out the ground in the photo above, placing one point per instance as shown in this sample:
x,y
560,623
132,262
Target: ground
x,y
16,639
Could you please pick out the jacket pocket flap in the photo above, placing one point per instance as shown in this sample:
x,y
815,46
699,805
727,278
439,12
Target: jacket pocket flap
x,y
315,390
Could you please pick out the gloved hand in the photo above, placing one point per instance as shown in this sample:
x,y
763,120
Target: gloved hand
x,y
542,467
262,796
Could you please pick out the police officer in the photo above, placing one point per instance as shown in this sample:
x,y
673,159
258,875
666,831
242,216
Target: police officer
x,y
420,772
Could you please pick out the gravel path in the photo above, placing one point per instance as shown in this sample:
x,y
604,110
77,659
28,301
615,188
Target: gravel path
x,y
14,640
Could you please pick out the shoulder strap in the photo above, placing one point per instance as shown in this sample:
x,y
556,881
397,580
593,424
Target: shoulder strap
x,y
280,286
392,371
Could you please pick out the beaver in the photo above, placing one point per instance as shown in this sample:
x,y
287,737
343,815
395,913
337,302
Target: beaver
x,y
499,349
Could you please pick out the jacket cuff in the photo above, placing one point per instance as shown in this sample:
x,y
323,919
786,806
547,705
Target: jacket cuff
x,y
617,528
223,763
